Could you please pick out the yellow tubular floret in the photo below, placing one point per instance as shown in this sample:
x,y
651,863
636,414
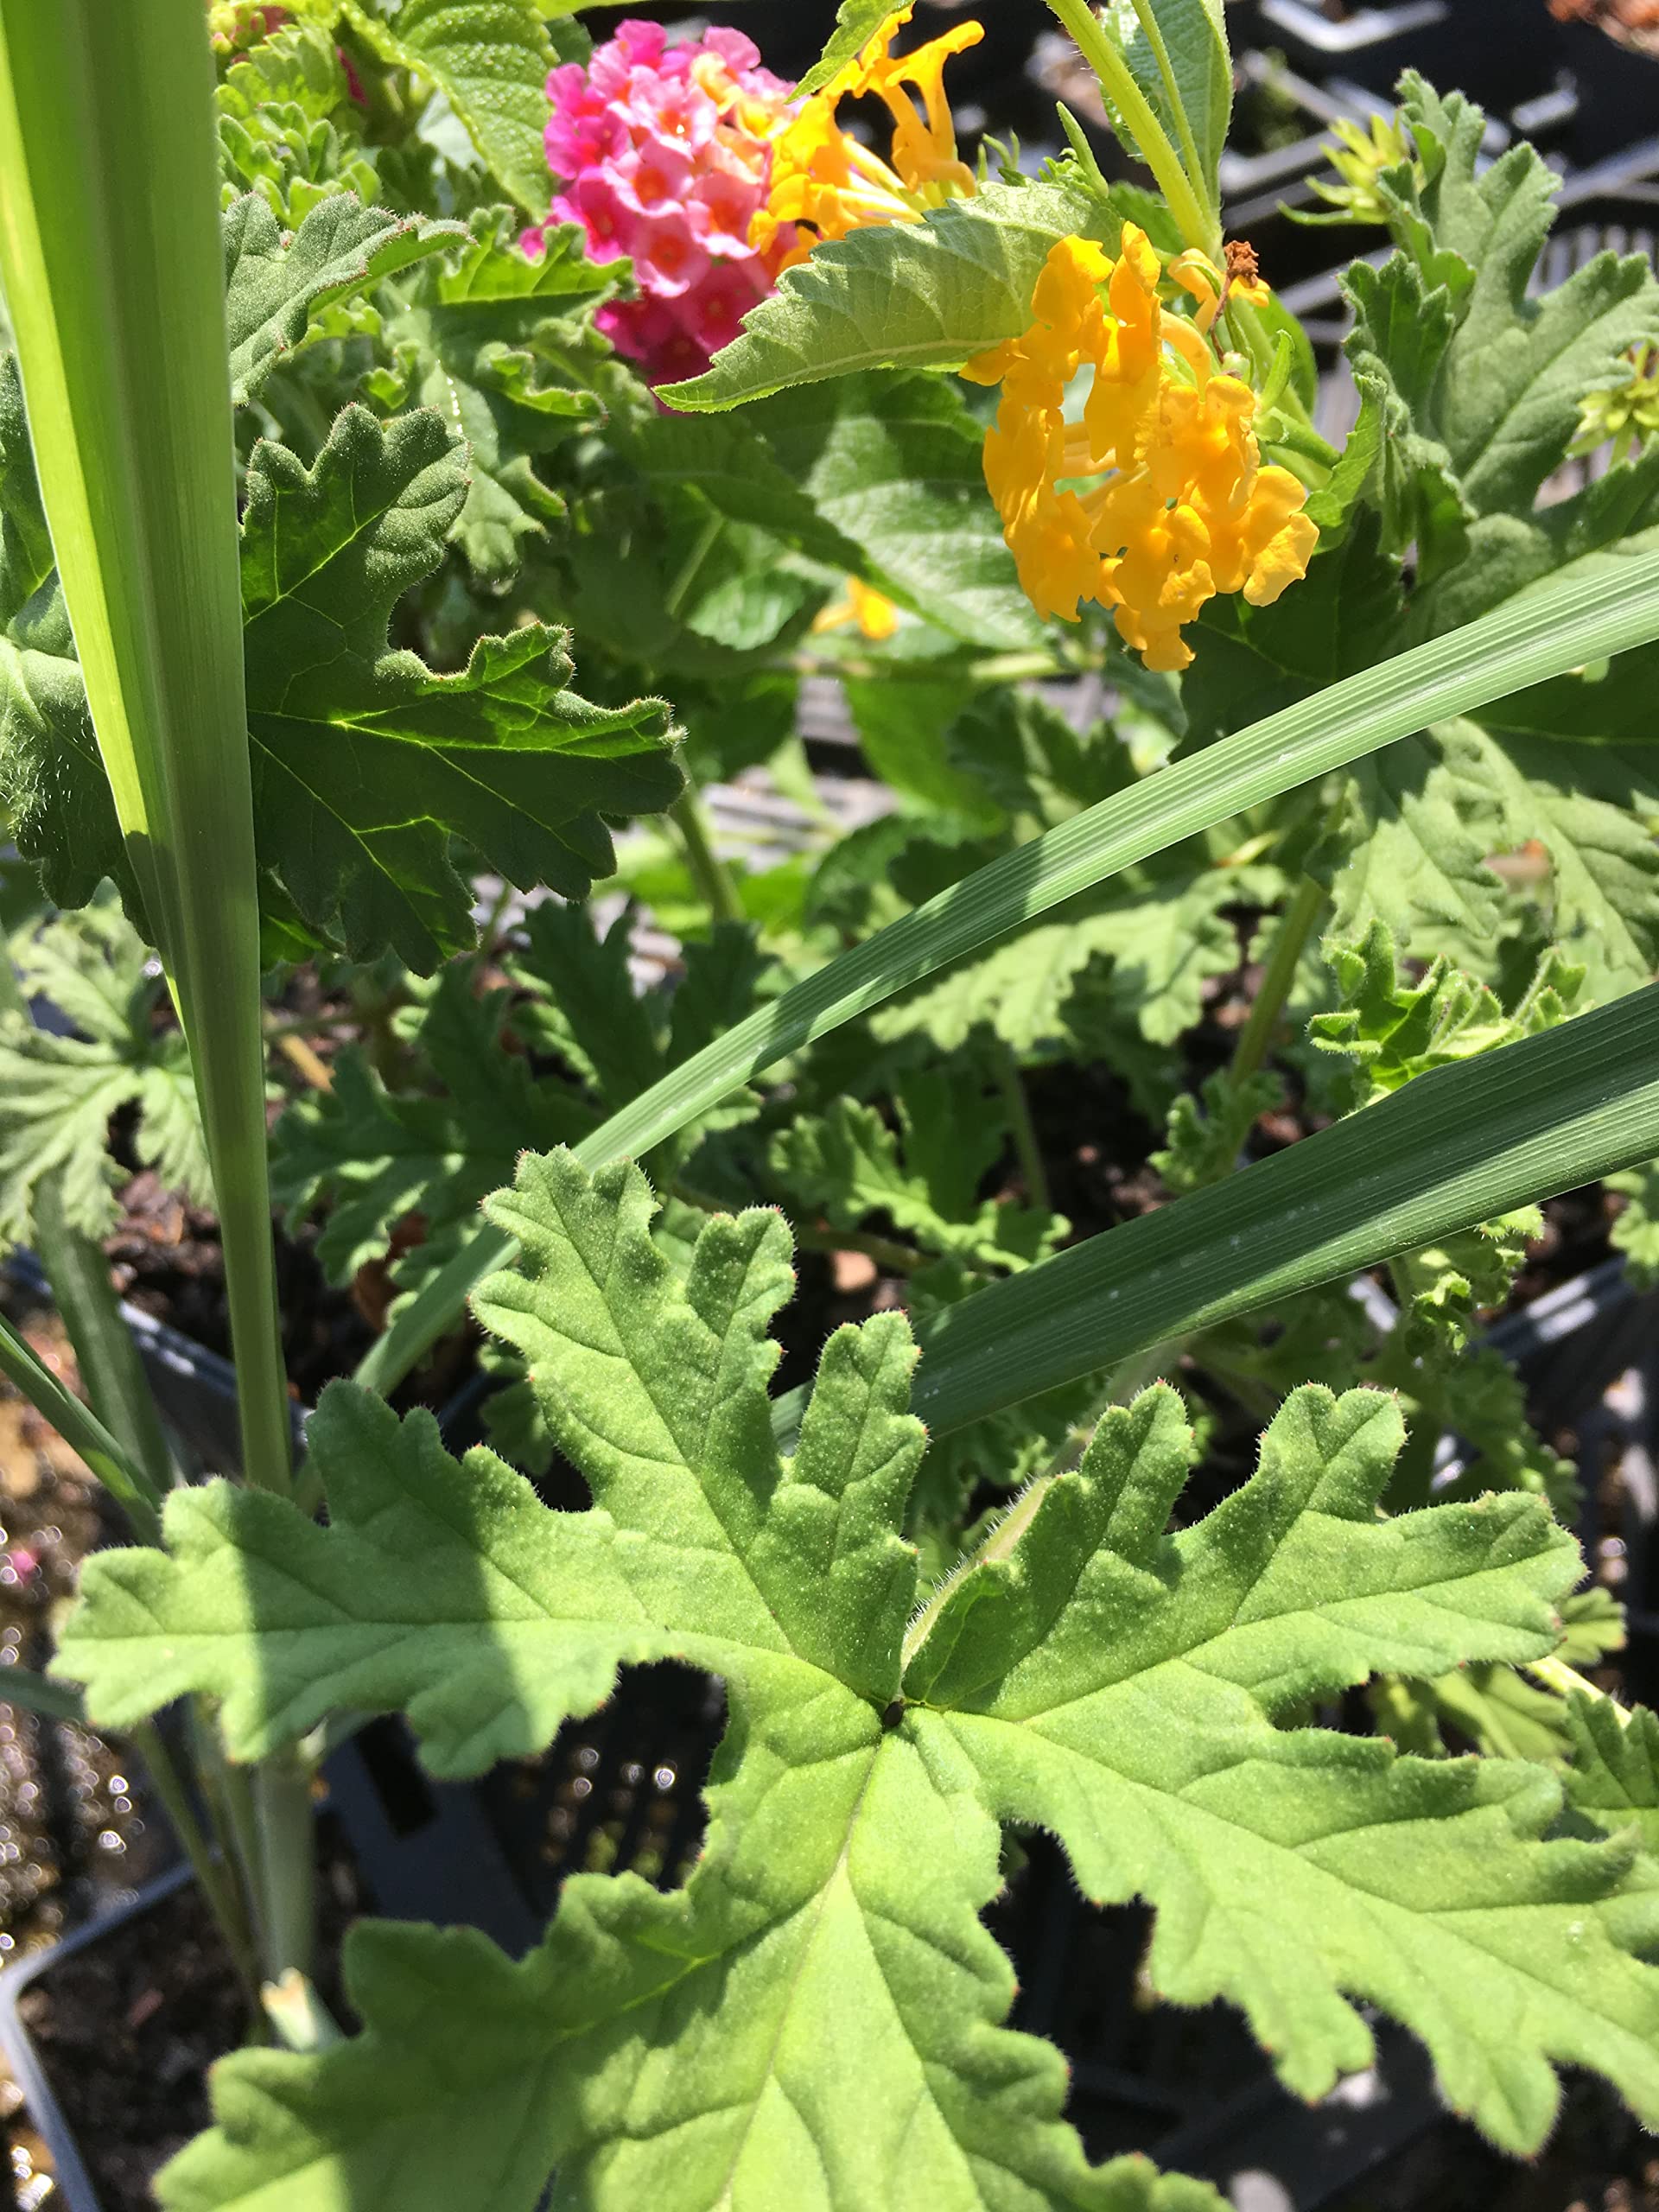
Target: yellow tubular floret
x,y
1157,500
826,182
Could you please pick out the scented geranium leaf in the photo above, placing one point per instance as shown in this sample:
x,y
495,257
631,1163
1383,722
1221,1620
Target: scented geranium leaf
x,y
908,295
851,1164
1200,102
1537,356
487,341
813,2019
58,1092
1164,934
291,165
1207,1133
297,66
583,1004
275,283
809,2025
435,1148
491,59
52,782
1614,1777
1412,849
420,1547
1127,1708
1394,1030
1590,807
1030,761
366,763
1397,350
1636,1232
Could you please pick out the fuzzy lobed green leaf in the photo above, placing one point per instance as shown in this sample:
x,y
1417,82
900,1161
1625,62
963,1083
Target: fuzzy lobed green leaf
x,y
276,283
58,1091
815,2011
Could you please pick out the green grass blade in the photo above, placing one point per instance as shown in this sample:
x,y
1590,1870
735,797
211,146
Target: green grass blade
x,y
110,255
82,1430
37,1693
1522,643
1455,1147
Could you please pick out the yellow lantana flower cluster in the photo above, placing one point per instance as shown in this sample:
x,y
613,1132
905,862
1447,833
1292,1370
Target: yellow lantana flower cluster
x,y
824,181
1156,499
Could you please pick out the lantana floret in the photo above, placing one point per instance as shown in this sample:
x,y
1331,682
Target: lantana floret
x,y
664,154
826,182
1153,497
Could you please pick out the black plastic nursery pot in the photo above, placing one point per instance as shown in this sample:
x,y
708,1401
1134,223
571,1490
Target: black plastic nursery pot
x,y
622,1790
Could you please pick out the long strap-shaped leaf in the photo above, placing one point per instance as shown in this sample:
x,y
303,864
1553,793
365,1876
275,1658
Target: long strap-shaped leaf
x,y
1455,1147
1522,643
114,280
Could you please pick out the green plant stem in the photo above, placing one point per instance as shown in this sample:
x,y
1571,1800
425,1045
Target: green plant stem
x,y
1196,226
81,1429
1026,1149
708,872
691,568
1256,1038
993,668
209,1869
1555,1675
110,1370
1149,23
282,1807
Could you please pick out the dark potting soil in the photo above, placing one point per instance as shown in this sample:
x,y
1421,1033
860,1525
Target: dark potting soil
x,y
127,2027
166,1260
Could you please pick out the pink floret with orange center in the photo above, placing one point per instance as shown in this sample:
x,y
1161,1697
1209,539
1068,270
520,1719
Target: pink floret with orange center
x,y
663,155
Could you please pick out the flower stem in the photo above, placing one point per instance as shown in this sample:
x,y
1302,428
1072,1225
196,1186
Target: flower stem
x,y
708,872
1256,1038
1153,29
1199,226
211,1873
1028,1151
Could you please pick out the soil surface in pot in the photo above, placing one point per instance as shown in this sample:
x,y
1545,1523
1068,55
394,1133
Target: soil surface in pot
x,y
127,2029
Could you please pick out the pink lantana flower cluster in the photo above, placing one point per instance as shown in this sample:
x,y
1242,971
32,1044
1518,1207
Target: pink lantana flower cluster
x,y
663,153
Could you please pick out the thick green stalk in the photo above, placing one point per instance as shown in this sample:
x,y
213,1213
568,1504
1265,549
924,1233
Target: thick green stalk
x,y
1198,227
112,267
281,1811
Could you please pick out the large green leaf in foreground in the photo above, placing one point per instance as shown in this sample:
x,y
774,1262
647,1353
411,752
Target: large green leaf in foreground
x,y
813,2021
